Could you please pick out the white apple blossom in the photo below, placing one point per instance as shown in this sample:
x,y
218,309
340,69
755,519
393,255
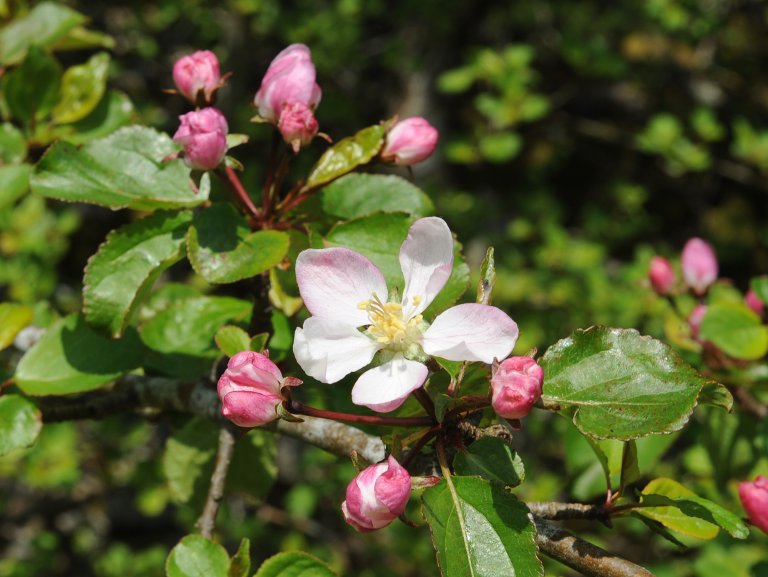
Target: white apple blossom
x,y
352,318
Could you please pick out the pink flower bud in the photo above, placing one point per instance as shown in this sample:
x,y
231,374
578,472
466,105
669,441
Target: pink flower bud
x,y
754,498
410,141
195,73
695,319
661,275
290,78
754,302
699,265
203,134
377,496
297,124
250,389
516,385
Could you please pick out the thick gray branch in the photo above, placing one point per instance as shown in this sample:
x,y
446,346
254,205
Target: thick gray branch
x,y
584,557
136,392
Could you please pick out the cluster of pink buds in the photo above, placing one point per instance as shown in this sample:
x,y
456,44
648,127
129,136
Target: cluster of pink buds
x,y
754,498
699,265
203,132
516,385
251,389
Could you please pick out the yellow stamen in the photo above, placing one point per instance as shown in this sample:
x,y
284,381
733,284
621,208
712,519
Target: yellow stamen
x,y
388,326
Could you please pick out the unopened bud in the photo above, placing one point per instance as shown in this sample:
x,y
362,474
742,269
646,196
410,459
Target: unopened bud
x,y
250,389
198,72
297,124
516,386
290,78
203,134
754,498
699,265
754,302
377,496
410,141
661,275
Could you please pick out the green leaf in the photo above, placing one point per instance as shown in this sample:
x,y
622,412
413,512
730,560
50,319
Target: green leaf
x,y
717,395
13,318
196,556
492,459
20,423
618,384
222,248
45,24
736,329
680,509
181,334
379,237
500,146
188,459
127,265
14,183
32,89
294,564
72,358
113,111
123,170
760,286
82,87
346,155
240,565
232,340
357,195
13,145
487,278
480,530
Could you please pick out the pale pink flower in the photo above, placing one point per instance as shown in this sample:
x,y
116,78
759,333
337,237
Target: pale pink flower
x,y
661,275
377,496
203,134
195,73
352,319
410,141
250,389
754,498
699,265
516,385
290,78
297,124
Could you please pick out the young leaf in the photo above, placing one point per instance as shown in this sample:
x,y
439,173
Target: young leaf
x,y
346,155
20,423
13,318
96,173
72,358
487,278
42,26
231,340
736,329
357,195
82,87
32,89
760,286
127,265
188,460
13,145
492,459
618,384
294,564
196,556
113,111
240,565
480,529
14,183
680,509
222,248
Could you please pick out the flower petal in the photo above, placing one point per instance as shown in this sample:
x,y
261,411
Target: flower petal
x,y
471,332
426,258
330,350
385,388
334,281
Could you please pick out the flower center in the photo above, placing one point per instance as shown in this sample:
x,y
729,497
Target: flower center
x,y
388,326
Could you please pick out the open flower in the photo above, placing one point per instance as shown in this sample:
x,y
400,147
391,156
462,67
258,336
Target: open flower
x,y
352,318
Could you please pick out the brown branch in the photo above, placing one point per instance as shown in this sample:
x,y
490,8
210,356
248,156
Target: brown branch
x,y
207,519
158,394
554,511
582,556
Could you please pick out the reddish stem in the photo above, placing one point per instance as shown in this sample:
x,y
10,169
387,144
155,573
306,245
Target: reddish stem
x,y
240,193
299,409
